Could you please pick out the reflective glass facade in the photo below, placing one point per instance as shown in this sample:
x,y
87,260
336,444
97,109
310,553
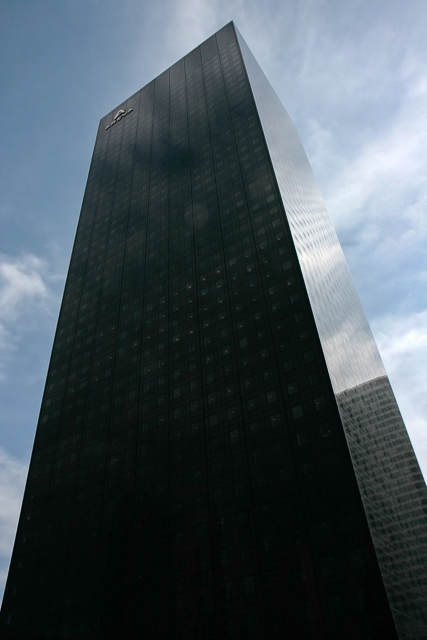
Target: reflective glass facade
x,y
391,483
219,453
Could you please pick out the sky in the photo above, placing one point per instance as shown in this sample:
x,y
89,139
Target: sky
x,y
353,77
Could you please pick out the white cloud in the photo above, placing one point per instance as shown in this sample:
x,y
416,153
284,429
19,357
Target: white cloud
x,y
389,162
13,474
192,21
20,280
384,167
376,194
402,341
23,292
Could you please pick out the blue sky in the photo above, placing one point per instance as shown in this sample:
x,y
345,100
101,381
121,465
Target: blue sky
x,y
353,77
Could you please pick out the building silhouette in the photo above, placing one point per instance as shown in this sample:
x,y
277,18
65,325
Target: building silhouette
x,y
219,453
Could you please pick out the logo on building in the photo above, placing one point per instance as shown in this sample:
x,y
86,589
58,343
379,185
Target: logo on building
x,y
121,113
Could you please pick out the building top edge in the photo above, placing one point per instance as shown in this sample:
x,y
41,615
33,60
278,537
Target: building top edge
x,y
109,115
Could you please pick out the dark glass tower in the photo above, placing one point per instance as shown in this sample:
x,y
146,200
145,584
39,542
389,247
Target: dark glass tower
x,y
219,453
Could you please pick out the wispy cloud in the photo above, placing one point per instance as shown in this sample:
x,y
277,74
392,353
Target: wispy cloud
x,y
189,22
20,280
192,21
388,166
376,193
23,292
13,473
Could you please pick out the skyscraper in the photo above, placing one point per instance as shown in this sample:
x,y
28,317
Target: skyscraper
x,y
219,453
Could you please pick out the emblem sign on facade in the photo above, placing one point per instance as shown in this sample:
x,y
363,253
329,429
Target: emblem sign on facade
x,y
121,113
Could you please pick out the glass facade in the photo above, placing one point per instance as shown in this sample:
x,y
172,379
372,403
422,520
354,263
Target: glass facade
x,y
219,453
391,483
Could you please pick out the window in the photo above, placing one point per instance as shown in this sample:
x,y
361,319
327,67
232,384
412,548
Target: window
x,y
248,382
249,585
251,404
288,365
313,379
275,420
214,443
297,412
308,356
239,489
234,436
254,428
319,403
302,438
216,469
232,413
292,387
213,420
325,430
272,396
